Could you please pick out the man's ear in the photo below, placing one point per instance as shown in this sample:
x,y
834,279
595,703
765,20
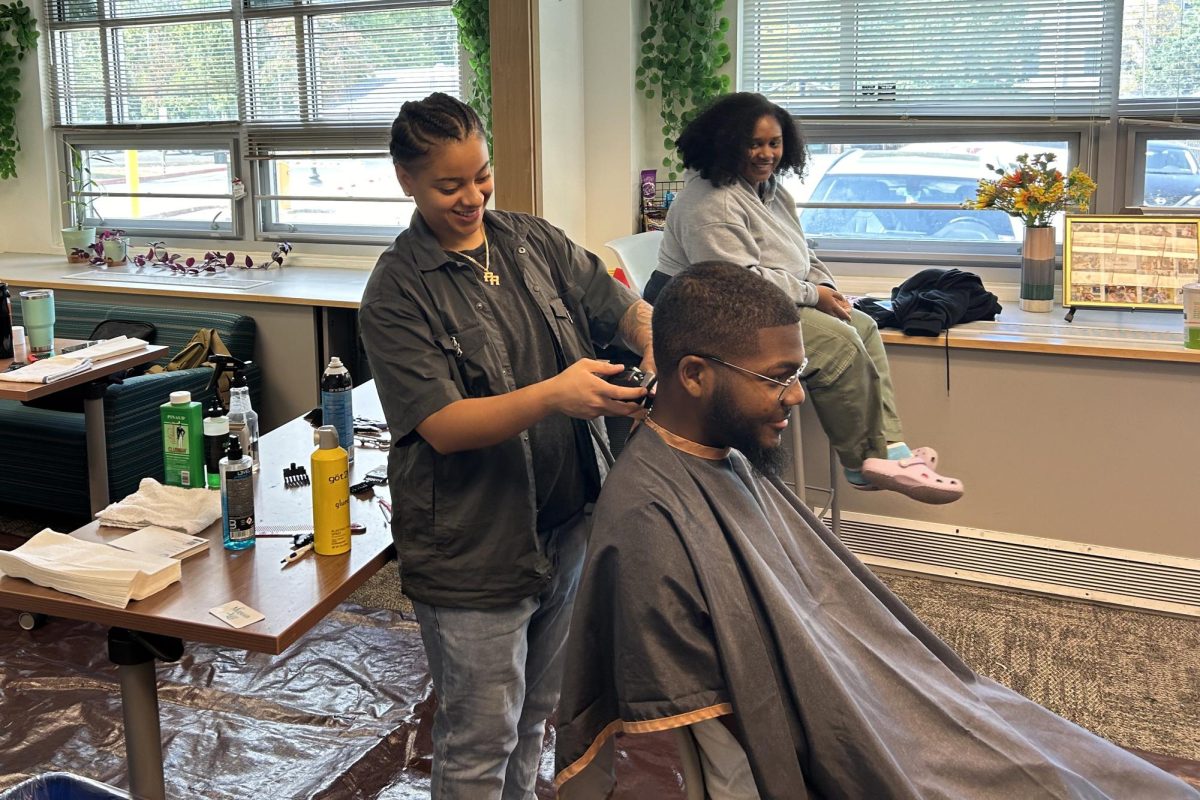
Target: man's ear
x,y
695,376
406,180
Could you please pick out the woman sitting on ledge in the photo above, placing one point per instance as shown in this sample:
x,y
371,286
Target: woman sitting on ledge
x,y
733,209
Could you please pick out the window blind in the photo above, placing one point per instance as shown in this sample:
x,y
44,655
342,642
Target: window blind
x,y
1160,59
927,58
290,62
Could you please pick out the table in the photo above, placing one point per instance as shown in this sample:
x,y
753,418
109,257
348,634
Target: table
x,y
93,406
293,599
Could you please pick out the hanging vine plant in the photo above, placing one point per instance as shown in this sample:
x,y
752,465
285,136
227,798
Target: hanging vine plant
x,y
474,34
683,49
18,35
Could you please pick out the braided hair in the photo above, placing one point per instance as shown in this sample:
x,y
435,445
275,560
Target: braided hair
x,y
422,125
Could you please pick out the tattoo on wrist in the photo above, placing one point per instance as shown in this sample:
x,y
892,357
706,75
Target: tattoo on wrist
x,y
634,327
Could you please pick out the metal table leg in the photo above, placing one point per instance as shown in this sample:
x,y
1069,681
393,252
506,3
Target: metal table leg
x,y
97,451
135,655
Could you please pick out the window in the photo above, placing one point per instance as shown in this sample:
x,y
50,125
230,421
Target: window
x,y
1023,76
229,118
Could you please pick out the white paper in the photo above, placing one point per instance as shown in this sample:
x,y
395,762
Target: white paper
x,y
110,348
236,614
48,370
159,541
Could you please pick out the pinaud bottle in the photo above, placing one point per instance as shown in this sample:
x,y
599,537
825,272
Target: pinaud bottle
x,y
237,497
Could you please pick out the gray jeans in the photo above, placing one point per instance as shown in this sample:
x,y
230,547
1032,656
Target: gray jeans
x,y
850,384
497,673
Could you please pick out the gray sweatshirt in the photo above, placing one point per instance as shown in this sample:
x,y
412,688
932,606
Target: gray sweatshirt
x,y
731,223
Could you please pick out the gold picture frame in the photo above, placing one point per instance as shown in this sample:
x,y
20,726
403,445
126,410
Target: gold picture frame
x,y
1129,261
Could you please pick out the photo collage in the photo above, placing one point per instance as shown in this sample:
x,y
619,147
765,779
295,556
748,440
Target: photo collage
x,y
1130,261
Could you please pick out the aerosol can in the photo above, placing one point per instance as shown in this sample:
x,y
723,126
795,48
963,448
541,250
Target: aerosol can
x,y
330,494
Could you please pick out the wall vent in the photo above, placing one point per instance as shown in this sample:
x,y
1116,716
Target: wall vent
x,y
1114,576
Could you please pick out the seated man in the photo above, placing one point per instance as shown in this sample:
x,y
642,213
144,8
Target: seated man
x,y
713,598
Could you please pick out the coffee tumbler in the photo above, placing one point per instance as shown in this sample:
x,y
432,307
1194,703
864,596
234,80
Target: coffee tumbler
x,y
37,308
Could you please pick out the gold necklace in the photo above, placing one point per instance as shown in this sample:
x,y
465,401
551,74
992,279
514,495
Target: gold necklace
x,y
489,277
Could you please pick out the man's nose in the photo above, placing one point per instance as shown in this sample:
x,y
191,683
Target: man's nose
x,y
793,395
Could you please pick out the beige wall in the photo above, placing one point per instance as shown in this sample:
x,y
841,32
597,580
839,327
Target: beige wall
x,y
1091,450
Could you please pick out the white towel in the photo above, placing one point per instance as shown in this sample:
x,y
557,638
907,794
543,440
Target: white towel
x,y
187,510
110,348
48,370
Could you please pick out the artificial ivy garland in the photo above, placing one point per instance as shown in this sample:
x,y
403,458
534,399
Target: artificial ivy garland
x,y
18,35
683,47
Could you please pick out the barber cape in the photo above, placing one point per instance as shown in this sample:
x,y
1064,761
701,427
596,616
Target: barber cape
x,y
710,589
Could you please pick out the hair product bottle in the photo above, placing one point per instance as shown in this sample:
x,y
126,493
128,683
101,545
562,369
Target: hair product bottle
x,y
330,494
237,497
183,441
6,322
337,407
243,419
216,435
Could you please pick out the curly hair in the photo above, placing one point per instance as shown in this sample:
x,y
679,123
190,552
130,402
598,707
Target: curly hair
x,y
422,125
718,308
717,141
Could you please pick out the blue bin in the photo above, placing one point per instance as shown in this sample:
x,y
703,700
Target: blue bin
x,y
62,786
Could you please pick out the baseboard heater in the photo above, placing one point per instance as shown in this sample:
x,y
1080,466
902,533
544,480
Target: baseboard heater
x,y
1148,581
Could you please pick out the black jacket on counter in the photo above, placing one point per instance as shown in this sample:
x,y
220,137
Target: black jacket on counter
x,y
932,301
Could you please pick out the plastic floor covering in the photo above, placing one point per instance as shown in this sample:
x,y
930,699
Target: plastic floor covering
x,y
344,713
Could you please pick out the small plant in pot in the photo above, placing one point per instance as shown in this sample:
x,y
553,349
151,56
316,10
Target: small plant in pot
x,y
79,182
112,246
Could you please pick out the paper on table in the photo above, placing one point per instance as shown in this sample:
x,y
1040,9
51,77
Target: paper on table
x,y
109,348
89,569
48,370
159,541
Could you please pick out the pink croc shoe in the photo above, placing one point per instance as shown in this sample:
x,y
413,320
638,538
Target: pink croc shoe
x,y
912,477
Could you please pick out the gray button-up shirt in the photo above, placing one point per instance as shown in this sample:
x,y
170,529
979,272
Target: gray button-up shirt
x,y
465,523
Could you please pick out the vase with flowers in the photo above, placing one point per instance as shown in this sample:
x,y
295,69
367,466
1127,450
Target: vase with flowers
x,y
1035,190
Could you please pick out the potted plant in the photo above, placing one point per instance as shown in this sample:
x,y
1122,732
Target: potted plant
x,y
77,236
1035,190
112,246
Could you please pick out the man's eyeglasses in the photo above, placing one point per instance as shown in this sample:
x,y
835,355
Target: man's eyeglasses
x,y
784,384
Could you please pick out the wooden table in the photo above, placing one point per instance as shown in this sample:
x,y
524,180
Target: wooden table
x,y
293,599
93,406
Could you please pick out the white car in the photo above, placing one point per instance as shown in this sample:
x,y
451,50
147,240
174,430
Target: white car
x,y
907,178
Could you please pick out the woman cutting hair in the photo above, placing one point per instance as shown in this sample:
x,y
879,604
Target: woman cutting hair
x,y
480,328
733,209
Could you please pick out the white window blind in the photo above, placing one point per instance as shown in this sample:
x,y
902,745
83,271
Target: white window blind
x,y
930,58
1160,59
291,62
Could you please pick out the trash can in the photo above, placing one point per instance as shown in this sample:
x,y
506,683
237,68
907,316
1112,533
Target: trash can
x,y
62,786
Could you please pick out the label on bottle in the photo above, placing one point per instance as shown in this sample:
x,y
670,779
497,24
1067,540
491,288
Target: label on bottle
x,y
337,410
239,502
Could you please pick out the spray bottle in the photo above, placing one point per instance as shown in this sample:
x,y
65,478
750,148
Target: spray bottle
x,y
243,419
337,408
216,435
6,323
237,497
330,494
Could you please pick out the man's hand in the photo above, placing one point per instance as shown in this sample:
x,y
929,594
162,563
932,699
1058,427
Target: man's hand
x,y
581,391
833,303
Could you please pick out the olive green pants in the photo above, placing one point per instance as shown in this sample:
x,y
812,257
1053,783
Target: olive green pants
x,y
850,385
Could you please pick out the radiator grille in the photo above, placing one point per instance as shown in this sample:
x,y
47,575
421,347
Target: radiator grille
x,y
1108,575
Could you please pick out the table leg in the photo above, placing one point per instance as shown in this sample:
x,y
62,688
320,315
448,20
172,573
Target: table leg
x,y
135,655
143,739
97,452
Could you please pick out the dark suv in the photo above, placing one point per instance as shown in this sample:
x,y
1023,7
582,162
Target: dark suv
x,y
1172,173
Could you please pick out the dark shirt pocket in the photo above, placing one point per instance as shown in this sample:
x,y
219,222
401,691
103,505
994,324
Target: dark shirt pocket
x,y
470,348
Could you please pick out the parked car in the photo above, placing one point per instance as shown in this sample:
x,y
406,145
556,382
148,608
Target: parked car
x,y
909,178
1172,174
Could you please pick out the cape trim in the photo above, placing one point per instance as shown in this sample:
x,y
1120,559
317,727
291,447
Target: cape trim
x,y
640,726
676,441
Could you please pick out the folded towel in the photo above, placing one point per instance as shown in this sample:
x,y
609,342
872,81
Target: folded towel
x,y
49,370
110,348
187,510
89,569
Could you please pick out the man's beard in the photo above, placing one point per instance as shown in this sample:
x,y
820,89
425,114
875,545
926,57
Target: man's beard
x,y
742,435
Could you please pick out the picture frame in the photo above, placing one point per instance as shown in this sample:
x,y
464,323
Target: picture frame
x,y
1129,261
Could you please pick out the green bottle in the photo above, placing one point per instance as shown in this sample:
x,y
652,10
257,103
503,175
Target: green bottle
x,y
183,441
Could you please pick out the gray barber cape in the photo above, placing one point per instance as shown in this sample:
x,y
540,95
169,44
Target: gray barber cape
x,y
710,588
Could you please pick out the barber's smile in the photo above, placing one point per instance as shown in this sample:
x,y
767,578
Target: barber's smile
x,y
468,216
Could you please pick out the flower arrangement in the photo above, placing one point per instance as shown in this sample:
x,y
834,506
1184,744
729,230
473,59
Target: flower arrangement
x,y
1034,190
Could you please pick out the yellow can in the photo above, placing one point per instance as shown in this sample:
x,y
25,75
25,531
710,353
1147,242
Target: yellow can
x,y
330,494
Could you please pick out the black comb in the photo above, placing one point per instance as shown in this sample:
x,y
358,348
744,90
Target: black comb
x,y
294,476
